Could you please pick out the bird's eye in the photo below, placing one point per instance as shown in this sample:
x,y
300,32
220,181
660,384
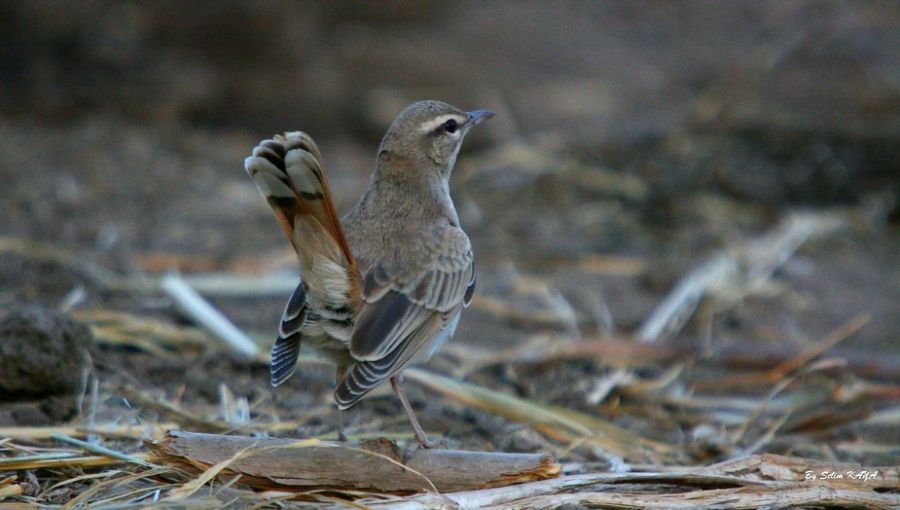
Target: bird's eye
x,y
450,126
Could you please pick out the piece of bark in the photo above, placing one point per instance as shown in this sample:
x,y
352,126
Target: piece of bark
x,y
270,464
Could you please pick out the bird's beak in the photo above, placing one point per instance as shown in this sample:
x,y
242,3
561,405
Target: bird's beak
x,y
475,117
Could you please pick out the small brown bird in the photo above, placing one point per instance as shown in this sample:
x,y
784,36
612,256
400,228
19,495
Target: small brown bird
x,y
384,288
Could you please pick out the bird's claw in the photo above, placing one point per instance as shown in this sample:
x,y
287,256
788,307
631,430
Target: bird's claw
x,y
422,443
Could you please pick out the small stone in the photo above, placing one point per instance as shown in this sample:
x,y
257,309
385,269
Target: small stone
x,y
42,353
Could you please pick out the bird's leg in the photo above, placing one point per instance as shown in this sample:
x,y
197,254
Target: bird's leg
x,y
341,436
421,437
339,375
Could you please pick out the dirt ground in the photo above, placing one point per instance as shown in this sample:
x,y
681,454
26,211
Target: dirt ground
x,y
632,142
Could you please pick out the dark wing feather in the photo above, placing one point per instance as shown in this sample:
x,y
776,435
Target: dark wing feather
x,y
363,376
381,320
398,309
287,345
470,290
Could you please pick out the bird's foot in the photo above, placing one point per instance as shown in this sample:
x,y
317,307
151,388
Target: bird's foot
x,y
427,443
422,442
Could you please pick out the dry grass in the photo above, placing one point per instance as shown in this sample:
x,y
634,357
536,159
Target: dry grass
x,y
799,403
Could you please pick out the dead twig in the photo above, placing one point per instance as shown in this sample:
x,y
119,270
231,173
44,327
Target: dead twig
x,y
833,338
562,424
106,430
86,461
740,271
206,315
271,464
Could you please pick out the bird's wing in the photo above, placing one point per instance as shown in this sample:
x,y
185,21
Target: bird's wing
x,y
363,376
407,310
290,332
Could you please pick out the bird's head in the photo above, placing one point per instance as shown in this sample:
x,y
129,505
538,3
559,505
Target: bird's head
x,y
429,133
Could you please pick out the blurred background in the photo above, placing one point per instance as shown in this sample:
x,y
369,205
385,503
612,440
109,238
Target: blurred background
x,y
633,141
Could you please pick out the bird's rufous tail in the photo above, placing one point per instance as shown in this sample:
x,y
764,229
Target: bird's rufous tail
x,y
287,169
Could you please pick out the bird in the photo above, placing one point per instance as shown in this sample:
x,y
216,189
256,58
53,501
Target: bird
x,y
383,287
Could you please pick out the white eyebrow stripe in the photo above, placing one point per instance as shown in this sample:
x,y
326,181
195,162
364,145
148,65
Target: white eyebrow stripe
x,y
430,125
